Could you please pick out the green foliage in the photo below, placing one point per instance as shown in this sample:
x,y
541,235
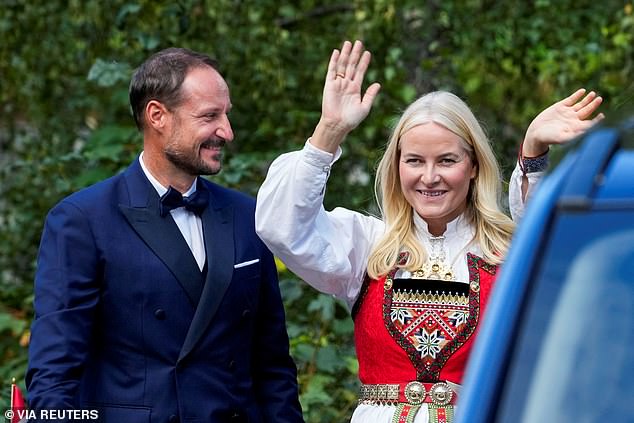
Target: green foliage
x,y
320,329
65,121
13,342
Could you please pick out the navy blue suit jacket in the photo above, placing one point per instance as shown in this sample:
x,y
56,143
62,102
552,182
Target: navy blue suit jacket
x,y
125,323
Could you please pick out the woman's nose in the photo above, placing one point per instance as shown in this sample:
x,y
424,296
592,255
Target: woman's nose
x,y
429,175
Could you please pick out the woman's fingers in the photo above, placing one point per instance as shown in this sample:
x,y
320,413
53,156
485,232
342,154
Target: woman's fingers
x,y
584,101
350,62
332,65
589,108
362,66
342,61
353,60
584,105
370,95
598,118
343,98
574,97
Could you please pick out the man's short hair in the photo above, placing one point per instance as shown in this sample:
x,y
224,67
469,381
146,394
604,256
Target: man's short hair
x,y
160,78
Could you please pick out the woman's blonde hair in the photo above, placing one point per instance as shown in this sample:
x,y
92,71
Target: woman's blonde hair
x,y
493,228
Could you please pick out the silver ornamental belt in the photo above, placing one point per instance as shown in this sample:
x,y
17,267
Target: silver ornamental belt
x,y
414,393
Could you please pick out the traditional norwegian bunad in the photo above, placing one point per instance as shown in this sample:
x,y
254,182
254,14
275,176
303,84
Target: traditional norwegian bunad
x,y
413,337
413,330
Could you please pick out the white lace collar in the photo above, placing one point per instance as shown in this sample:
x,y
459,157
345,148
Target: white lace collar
x,y
449,250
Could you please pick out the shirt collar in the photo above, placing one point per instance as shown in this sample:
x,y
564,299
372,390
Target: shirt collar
x,y
459,227
160,189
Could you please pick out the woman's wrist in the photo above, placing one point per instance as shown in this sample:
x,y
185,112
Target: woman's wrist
x,y
530,147
328,136
532,158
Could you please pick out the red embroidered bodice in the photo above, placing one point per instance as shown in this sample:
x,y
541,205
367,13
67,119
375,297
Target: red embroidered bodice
x,y
404,334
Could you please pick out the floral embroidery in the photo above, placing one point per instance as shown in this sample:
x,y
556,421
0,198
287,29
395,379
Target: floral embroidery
x,y
402,315
432,326
458,318
429,343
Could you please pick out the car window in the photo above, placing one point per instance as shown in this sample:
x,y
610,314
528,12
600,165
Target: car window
x,y
573,359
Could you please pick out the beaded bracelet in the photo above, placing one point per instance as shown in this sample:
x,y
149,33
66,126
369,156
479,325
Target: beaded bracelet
x,y
532,164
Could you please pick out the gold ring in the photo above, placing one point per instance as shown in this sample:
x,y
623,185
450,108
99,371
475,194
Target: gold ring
x,y
340,75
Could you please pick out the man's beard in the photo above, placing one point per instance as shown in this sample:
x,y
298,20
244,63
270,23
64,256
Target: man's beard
x,y
191,162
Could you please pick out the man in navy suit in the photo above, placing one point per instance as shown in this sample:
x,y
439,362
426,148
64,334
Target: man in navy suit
x,y
152,306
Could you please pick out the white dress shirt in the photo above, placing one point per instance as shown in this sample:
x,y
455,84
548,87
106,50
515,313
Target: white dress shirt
x,y
190,224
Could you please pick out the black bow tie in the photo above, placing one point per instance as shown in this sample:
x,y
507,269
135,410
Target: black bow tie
x,y
173,199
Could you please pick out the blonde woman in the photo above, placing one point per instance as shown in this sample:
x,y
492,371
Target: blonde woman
x,y
417,280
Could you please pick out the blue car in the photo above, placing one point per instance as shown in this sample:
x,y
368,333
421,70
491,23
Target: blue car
x,y
557,341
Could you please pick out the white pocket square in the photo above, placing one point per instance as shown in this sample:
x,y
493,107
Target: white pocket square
x,y
245,263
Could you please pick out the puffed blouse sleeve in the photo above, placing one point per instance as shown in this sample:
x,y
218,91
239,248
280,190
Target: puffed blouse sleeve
x,y
517,202
327,249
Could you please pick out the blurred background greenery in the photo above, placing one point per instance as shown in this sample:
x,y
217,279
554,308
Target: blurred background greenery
x,y
65,121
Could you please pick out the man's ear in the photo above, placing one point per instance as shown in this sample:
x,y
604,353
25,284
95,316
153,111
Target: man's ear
x,y
156,114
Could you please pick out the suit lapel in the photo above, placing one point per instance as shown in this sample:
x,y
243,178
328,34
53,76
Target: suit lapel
x,y
219,244
160,234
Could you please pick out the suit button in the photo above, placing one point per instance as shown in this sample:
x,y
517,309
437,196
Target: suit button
x,y
173,419
246,314
232,365
159,313
237,417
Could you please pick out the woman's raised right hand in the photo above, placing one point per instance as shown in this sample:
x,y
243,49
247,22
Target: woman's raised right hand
x,y
343,105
